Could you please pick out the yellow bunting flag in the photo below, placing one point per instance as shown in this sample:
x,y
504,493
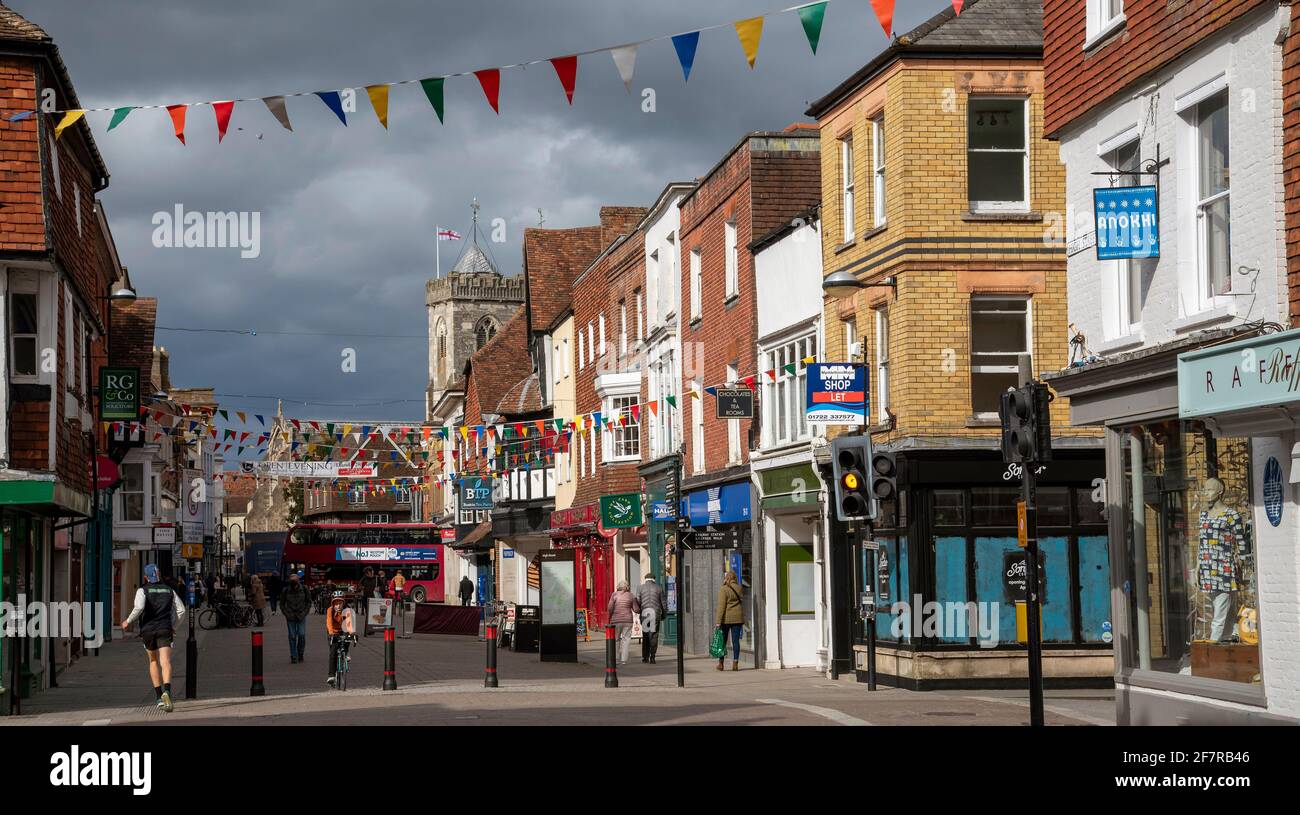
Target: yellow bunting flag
x,y
70,118
750,32
379,101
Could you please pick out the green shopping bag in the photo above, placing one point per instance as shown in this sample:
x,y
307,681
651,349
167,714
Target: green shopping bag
x,y
718,647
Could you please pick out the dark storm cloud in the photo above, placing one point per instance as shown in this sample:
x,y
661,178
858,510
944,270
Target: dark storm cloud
x,y
347,214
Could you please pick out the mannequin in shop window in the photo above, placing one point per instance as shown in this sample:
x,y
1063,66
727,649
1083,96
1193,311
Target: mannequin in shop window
x,y
1222,551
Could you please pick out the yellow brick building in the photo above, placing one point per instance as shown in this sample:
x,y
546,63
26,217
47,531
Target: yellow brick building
x,y
941,194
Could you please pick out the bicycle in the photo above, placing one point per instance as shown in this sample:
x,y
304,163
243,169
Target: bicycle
x,y
227,614
345,642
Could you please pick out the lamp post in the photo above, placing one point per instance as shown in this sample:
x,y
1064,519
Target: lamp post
x,y
121,292
844,285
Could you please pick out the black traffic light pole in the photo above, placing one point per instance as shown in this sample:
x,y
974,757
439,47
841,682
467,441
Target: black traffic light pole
x,y
1032,583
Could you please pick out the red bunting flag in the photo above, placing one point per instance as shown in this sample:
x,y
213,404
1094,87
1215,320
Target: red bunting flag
x,y
177,112
654,407
490,80
222,110
957,4
885,14
749,382
566,68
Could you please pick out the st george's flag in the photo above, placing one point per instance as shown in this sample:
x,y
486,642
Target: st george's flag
x,y
448,235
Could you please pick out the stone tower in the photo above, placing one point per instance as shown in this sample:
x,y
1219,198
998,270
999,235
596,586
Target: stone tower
x,y
467,306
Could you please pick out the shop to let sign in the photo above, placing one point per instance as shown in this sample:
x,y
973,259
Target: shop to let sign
x,y
119,394
1128,222
837,394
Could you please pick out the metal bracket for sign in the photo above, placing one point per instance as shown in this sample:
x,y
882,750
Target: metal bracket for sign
x,y
1152,167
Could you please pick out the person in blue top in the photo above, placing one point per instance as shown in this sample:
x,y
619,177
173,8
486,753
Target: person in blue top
x,y
158,609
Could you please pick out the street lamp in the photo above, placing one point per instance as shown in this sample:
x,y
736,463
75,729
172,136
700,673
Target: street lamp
x,y
122,291
844,284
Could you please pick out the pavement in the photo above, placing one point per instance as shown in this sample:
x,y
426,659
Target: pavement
x,y
440,681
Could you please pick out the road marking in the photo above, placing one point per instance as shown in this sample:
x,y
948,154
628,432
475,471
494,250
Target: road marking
x,y
825,712
95,722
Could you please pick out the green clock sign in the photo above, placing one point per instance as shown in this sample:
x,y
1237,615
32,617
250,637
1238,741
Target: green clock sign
x,y
119,394
621,511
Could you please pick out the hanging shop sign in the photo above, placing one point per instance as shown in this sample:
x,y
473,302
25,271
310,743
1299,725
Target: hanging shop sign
x,y
621,511
735,403
165,535
448,535
119,394
475,493
311,469
661,511
192,551
1258,372
1128,222
105,472
584,517
723,504
836,394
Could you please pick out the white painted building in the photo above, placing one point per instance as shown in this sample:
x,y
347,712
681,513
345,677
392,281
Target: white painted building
x,y
1174,356
793,531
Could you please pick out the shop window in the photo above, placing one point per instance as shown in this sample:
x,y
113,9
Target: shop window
x,y
949,507
797,579
1053,504
1189,553
999,328
994,506
1087,508
997,154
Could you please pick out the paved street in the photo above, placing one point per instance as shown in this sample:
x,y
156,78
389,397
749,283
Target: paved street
x,y
440,681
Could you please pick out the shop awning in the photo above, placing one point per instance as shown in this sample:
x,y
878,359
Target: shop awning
x,y
475,539
44,497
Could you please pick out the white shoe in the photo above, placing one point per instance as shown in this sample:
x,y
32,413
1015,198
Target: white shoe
x,y
330,681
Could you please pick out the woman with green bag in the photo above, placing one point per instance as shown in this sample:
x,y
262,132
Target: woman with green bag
x,y
731,618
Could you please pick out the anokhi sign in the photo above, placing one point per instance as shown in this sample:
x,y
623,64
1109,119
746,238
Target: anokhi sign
x,y
1128,222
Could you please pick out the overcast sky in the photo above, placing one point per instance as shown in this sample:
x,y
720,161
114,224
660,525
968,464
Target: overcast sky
x,y
347,214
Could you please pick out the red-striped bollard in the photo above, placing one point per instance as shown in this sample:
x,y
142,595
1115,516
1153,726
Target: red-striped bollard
x,y
611,657
390,659
258,689
490,677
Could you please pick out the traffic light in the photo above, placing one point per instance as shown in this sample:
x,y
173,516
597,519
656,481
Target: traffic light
x,y
1026,424
884,477
850,459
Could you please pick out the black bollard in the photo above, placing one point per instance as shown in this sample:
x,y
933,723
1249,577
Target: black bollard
x,y
258,689
611,657
191,662
390,659
490,677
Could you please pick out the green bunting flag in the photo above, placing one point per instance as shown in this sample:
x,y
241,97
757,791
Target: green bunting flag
x,y
118,115
811,17
433,90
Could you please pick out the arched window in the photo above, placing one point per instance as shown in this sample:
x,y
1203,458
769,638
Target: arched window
x,y
442,338
485,331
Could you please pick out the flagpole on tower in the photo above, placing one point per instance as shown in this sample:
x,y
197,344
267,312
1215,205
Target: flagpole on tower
x,y
437,251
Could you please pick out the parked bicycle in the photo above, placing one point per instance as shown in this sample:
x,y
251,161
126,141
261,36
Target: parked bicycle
x,y
228,614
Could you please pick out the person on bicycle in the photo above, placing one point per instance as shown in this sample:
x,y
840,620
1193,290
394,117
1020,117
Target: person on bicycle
x,y
159,610
338,622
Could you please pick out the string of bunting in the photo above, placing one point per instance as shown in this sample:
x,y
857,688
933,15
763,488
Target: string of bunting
x,y
748,31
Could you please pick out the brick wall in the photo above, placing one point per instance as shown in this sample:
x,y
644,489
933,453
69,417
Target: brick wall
x,y
1155,32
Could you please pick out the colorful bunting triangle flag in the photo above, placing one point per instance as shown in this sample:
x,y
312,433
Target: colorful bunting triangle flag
x,y
711,390
177,112
334,103
788,368
118,115
275,104
490,80
625,62
671,400
433,90
885,14
957,4
222,111
812,17
750,32
685,45
70,118
379,101
566,68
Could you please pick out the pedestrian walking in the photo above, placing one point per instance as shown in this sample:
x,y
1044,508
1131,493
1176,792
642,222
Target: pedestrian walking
x,y
296,603
258,599
650,598
466,590
397,586
273,589
622,605
381,586
731,618
209,584
159,610
368,583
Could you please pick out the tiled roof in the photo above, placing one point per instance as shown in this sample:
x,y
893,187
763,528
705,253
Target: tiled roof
x,y
473,259
133,330
14,26
524,397
499,365
985,27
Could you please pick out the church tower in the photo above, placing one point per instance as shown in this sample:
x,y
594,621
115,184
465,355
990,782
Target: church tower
x,y
467,307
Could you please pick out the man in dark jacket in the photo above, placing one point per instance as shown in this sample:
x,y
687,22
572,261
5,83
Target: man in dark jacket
x,y
466,590
650,598
296,602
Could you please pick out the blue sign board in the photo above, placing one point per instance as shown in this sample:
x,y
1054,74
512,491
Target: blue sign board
x,y
837,394
723,504
475,493
661,511
1128,222
1273,491
382,554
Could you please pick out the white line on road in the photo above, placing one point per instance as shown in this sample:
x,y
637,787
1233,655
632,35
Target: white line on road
x,y
825,712
96,722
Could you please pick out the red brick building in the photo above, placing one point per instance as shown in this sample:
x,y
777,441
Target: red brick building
x,y
56,267
765,180
608,326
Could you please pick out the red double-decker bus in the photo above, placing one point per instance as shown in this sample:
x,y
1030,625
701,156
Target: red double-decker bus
x,y
336,554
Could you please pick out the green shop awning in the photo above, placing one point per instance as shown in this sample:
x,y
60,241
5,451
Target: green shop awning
x,y
794,487
44,497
